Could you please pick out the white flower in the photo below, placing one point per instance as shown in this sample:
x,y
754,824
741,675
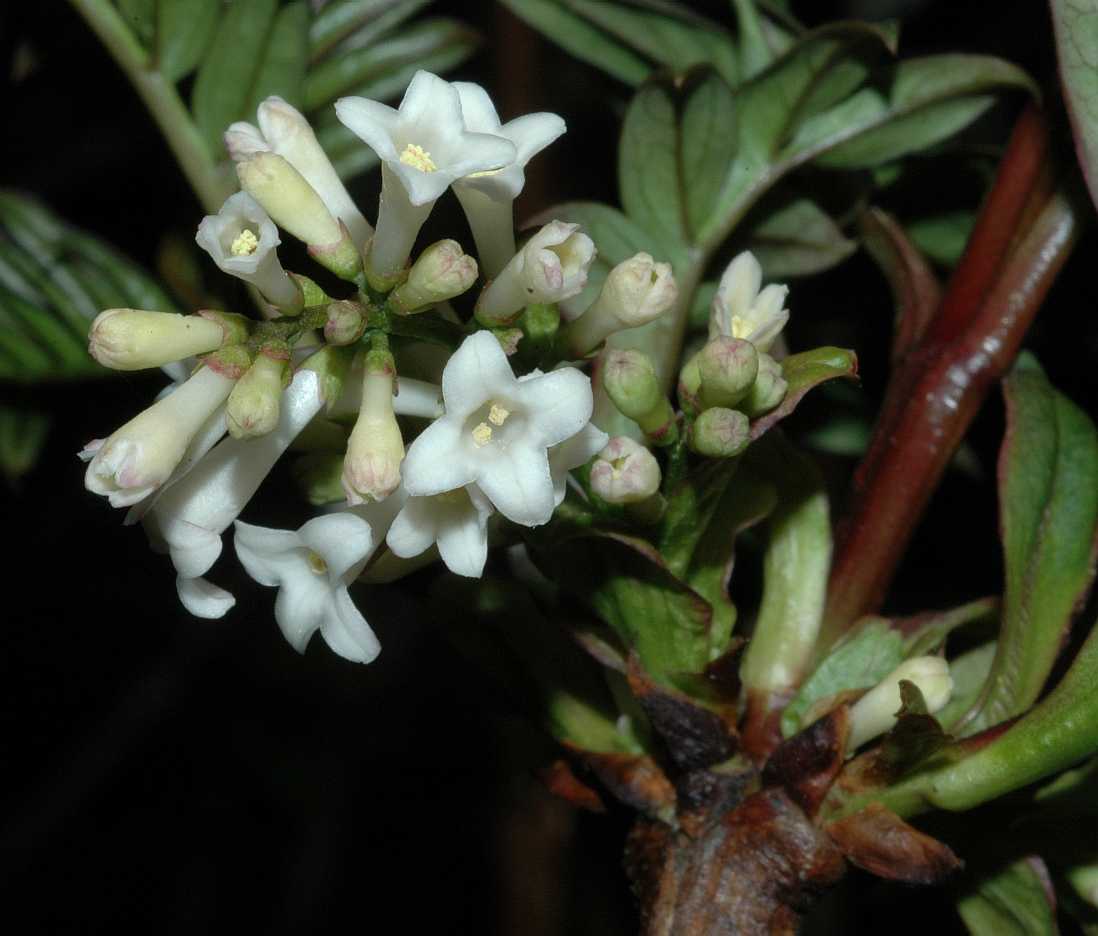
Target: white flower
x,y
312,568
572,453
190,516
283,130
551,266
740,310
241,239
375,449
424,147
140,456
496,431
456,520
487,197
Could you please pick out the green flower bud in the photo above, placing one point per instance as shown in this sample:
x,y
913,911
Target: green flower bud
x,y
630,381
625,472
727,368
769,388
371,468
254,403
133,339
346,322
442,272
719,432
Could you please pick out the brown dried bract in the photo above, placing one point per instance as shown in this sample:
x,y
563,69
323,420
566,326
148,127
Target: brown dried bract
x,y
806,764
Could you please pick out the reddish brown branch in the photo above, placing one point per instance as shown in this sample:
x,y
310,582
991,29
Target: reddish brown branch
x,y
1014,254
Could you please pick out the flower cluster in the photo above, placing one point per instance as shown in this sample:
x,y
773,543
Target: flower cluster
x,y
414,453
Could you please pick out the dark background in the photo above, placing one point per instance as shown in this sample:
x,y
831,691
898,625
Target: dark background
x,y
192,776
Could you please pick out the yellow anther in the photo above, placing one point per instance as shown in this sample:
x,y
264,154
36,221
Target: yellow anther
x,y
482,434
316,563
739,327
497,415
418,158
245,244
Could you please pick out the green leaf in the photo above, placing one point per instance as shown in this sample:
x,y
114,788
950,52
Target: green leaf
x,y
184,30
223,88
53,281
627,584
869,653
927,632
690,507
22,435
581,39
1077,48
357,23
282,71
942,237
803,372
676,144
1012,901
140,16
1048,470
383,70
798,239
969,672
923,101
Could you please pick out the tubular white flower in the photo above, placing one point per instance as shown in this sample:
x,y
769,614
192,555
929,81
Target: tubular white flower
x,y
625,472
285,131
190,516
133,339
424,147
241,239
140,456
636,292
497,431
456,520
573,453
875,712
551,266
740,310
371,469
312,568
488,197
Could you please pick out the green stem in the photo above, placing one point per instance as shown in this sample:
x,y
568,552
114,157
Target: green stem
x,y
161,99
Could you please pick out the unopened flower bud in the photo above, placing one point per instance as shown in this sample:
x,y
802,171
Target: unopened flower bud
x,y
442,272
254,403
741,310
550,267
242,240
720,433
296,207
320,477
346,322
689,388
133,339
371,469
769,388
727,368
630,380
508,339
330,364
636,292
875,712
625,472
140,456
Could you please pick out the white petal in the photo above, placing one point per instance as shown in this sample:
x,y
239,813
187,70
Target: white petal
x,y
300,607
267,555
437,460
203,599
477,109
345,630
434,100
340,539
519,485
193,549
372,122
463,542
415,527
573,452
477,371
559,404
532,133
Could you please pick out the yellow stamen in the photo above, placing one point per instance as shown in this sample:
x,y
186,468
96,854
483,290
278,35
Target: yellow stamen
x,y
316,563
482,434
246,243
418,158
739,327
497,415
